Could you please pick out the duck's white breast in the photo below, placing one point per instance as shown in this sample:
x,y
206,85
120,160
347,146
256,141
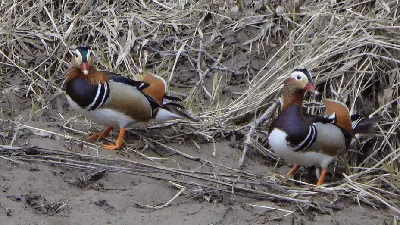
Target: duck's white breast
x,y
104,116
277,141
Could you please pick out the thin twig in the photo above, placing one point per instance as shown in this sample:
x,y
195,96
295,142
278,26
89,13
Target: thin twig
x,y
267,114
182,189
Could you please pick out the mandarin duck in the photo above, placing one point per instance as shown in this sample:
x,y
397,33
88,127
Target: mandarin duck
x,y
117,101
308,140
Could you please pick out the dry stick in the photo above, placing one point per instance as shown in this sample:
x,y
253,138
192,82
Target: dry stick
x,y
73,163
11,160
162,5
359,189
15,135
71,27
122,169
374,166
182,189
152,159
32,159
53,23
191,183
252,130
288,212
218,66
176,151
181,49
68,161
106,158
87,144
233,187
241,173
202,76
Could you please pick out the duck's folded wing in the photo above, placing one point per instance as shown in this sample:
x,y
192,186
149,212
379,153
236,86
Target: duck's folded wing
x,y
341,112
332,119
323,119
151,85
140,85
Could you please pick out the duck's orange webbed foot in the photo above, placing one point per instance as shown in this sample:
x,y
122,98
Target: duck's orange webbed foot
x,y
101,135
118,143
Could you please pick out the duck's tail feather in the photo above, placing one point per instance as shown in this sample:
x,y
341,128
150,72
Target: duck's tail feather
x,y
171,98
170,110
174,104
362,125
169,103
177,112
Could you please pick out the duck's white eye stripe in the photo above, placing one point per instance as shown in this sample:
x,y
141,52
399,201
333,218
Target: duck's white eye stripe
x,y
297,74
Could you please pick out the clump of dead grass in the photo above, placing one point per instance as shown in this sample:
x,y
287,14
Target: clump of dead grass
x,y
228,59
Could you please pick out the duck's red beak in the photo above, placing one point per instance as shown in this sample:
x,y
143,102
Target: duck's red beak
x,y
85,68
311,88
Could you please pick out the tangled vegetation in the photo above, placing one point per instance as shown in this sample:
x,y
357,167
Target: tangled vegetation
x,y
228,60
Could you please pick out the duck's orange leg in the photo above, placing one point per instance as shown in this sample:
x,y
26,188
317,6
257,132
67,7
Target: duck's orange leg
x,y
101,135
118,143
293,170
321,177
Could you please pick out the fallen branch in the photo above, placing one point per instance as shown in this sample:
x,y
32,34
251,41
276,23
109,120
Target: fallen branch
x,y
252,130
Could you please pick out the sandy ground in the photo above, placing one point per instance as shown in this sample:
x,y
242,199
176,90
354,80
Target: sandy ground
x,y
39,193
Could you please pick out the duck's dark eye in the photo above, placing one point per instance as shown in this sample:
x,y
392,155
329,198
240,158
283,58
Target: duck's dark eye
x,y
298,77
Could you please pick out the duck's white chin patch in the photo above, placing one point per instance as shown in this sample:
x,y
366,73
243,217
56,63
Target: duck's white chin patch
x,y
85,72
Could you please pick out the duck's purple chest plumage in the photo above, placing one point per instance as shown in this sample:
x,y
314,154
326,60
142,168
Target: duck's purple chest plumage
x,y
293,123
85,94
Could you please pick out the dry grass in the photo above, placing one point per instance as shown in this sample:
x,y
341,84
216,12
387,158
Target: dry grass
x,y
234,55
